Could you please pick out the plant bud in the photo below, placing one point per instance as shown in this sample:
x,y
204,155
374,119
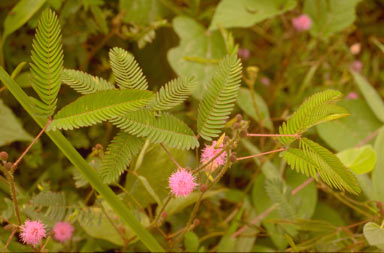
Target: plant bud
x,y
243,133
196,222
3,155
203,187
164,215
236,125
239,117
233,157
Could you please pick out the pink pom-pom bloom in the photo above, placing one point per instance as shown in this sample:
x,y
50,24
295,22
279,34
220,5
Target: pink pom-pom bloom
x,y
209,152
63,231
243,53
356,66
182,183
302,23
32,232
352,95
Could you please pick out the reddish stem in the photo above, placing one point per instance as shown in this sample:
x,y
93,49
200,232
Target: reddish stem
x,y
274,135
261,154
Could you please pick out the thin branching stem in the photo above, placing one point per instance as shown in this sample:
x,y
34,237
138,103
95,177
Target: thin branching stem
x,y
274,135
170,156
9,240
261,154
154,223
15,164
271,209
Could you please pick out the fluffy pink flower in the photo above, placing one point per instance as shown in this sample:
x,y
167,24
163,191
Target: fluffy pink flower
x,y
182,183
243,53
63,231
352,95
32,232
302,23
356,66
265,80
209,152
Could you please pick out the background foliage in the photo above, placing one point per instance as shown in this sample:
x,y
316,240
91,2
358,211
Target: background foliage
x,y
171,41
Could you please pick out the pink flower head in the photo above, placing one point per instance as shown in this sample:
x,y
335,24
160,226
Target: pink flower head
x,y
302,23
209,152
32,232
182,182
352,95
243,53
63,231
356,66
265,80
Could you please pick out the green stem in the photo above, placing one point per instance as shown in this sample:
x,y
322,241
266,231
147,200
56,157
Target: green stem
x,y
78,161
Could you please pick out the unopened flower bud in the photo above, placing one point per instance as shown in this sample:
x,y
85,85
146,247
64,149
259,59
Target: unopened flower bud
x,y
164,215
196,222
243,133
3,156
233,157
239,117
236,125
99,146
203,187
226,139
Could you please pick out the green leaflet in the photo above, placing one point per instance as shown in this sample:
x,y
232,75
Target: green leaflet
x,y
165,128
85,83
313,159
370,94
173,93
127,71
246,13
47,60
49,207
330,17
317,109
119,154
220,98
20,14
97,107
10,129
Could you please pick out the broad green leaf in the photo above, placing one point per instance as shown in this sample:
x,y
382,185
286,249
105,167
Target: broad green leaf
x,y
246,13
227,243
329,16
202,46
378,172
99,106
191,242
374,234
142,12
370,94
98,226
305,202
20,14
10,128
360,160
346,133
155,173
269,170
244,100
327,213
367,186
